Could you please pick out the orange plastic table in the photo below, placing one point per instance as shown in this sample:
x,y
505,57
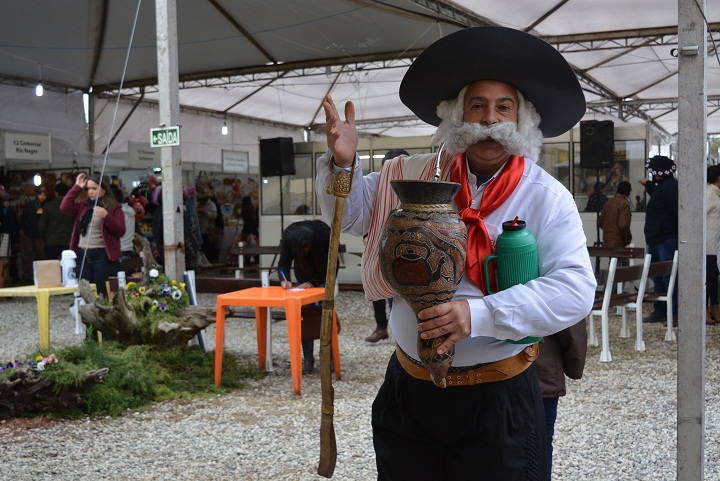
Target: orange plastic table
x,y
274,296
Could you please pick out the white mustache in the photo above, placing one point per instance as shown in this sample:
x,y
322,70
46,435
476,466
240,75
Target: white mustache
x,y
458,139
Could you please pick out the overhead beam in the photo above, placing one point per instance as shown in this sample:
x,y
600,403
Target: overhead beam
x,y
618,34
277,68
250,38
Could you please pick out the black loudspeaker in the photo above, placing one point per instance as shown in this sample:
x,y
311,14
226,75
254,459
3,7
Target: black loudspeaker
x,y
597,144
277,157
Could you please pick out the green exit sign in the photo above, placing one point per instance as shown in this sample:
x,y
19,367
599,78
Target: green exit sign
x,y
165,137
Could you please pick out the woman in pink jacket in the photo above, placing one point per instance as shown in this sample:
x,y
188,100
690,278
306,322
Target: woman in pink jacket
x,y
99,225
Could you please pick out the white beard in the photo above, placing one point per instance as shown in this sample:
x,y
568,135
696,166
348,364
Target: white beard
x,y
458,139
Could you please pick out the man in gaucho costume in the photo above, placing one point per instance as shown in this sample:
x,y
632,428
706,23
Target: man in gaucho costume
x,y
493,92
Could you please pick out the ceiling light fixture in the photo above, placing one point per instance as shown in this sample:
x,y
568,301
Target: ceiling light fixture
x,y
224,129
37,180
39,88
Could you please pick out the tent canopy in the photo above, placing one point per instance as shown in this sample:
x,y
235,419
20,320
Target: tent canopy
x,y
276,60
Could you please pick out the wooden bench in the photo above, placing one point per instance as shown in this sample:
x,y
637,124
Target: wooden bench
x,y
607,296
221,266
620,252
601,252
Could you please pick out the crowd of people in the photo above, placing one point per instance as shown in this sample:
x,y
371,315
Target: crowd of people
x,y
94,218
661,225
36,231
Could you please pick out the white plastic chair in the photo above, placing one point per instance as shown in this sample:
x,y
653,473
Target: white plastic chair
x,y
637,305
611,298
600,308
659,269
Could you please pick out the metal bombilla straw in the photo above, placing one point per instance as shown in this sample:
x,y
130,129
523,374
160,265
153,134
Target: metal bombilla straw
x,y
436,177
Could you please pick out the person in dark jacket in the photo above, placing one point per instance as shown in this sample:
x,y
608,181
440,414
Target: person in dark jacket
x,y
596,199
304,246
99,225
615,217
562,354
158,228
32,244
661,225
54,226
251,223
10,225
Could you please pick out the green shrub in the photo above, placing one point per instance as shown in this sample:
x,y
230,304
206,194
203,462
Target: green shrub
x,y
140,375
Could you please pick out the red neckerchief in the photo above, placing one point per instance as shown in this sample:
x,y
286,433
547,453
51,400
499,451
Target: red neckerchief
x,y
496,192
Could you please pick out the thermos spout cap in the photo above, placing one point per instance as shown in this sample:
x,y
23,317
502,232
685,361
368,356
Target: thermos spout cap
x,y
514,224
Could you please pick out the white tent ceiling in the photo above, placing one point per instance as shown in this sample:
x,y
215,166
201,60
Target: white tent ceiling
x,y
275,60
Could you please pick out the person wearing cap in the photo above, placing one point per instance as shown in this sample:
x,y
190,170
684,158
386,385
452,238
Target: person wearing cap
x,y
661,226
56,227
615,216
32,244
493,92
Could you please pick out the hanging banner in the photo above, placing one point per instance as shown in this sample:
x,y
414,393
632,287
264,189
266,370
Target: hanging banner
x,y
27,146
235,162
141,155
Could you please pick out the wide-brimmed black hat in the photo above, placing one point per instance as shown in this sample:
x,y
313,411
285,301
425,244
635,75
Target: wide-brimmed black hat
x,y
531,65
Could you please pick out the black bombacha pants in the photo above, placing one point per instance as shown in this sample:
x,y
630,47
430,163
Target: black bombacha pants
x,y
491,432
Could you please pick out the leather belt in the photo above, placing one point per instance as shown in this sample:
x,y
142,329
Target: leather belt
x,y
493,372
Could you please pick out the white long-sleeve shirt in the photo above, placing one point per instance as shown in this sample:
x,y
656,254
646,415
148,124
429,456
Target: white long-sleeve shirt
x,y
560,297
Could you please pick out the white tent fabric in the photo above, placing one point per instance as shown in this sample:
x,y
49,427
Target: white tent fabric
x,y
275,60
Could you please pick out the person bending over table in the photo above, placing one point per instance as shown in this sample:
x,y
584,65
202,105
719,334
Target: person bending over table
x,y
304,247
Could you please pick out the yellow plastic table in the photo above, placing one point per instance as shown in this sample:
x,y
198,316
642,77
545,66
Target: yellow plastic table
x,y
42,296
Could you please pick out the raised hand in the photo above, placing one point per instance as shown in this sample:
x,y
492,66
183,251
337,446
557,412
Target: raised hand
x,y
81,180
342,137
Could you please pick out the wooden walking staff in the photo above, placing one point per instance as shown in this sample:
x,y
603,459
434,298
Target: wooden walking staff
x,y
340,188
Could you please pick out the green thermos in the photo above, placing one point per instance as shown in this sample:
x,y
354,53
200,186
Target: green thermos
x,y
516,259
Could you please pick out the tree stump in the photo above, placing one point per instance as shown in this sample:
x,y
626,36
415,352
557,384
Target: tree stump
x,y
23,391
122,322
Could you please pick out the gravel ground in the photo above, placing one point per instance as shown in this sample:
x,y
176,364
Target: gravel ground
x,y
617,423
